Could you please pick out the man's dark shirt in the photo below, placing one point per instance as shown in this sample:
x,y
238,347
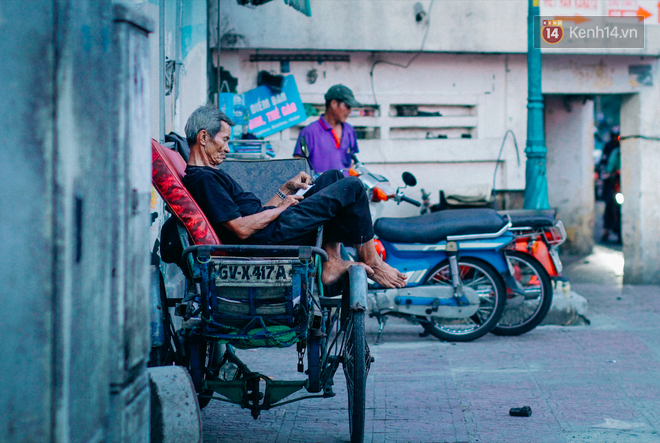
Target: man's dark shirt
x,y
221,199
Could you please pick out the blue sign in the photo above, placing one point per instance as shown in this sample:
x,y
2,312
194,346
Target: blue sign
x,y
226,100
232,105
271,112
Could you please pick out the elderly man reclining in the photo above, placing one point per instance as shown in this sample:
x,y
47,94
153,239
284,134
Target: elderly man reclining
x,y
238,217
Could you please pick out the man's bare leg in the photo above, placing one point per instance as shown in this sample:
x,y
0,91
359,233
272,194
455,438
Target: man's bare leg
x,y
383,274
335,267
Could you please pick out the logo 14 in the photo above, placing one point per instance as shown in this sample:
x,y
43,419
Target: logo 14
x,y
552,31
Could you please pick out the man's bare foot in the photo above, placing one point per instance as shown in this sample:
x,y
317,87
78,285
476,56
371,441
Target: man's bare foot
x,y
385,275
334,269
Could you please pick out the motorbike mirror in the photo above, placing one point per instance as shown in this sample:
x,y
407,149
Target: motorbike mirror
x,y
304,148
305,152
409,179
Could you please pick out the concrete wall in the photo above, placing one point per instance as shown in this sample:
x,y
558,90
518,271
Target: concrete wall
x,y
180,29
482,95
594,74
179,35
375,25
455,39
193,90
640,185
495,86
639,149
570,143
58,357
26,215
130,317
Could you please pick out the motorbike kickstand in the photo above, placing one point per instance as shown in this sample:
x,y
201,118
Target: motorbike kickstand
x,y
381,325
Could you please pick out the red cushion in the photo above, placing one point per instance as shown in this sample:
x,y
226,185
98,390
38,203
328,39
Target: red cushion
x,y
168,168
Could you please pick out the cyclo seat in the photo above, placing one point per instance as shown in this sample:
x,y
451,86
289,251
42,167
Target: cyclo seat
x,y
168,168
437,226
531,218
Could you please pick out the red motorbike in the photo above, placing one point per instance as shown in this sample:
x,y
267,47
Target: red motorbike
x,y
535,267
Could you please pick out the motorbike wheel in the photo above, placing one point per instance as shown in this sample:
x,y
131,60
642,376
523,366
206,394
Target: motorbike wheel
x,y
480,276
528,312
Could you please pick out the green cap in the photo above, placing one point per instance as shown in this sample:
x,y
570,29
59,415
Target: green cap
x,y
342,93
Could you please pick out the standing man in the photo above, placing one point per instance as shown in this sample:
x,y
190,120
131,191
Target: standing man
x,y
330,139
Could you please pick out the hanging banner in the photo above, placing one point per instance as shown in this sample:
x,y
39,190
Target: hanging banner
x,y
270,112
578,11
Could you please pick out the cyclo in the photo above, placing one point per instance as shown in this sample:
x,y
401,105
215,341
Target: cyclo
x,y
246,297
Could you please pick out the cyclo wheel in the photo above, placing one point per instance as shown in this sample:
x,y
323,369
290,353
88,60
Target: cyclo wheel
x,y
199,353
523,313
480,276
170,352
355,367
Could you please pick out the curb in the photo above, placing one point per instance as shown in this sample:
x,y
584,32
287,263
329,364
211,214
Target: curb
x,y
175,415
568,309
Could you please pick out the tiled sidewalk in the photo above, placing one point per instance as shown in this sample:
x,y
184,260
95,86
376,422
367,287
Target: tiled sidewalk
x,y
596,383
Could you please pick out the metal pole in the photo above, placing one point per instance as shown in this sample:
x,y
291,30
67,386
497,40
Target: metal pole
x,y
536,183
161,71
219,81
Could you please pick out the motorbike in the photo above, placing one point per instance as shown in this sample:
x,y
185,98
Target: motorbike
x,y
535,268
453,260
533,258
533,264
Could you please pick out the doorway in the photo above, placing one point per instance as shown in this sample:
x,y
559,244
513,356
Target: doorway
x,y
607,166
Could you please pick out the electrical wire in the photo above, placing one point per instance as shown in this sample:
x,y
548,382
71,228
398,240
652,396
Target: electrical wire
x,y
385,62
643,137
499,157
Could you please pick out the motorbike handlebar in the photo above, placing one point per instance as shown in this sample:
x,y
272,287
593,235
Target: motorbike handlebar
x,y
411,201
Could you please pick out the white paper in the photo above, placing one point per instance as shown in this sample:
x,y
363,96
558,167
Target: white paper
x,y
302,191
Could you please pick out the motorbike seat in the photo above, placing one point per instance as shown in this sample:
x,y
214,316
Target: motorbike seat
x,y
436,226
533,218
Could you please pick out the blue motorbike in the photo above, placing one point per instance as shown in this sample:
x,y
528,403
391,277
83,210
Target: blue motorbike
x,y
455,270
453,260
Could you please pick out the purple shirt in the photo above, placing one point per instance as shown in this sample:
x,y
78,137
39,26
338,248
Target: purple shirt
x,y
323,151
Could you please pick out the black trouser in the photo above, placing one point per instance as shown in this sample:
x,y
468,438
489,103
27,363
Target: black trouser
x,y
338,204
612,214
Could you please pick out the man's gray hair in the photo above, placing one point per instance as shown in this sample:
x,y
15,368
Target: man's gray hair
x,y
205,117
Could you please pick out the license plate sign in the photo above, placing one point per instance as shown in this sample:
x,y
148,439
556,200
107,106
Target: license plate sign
x,y
253,274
